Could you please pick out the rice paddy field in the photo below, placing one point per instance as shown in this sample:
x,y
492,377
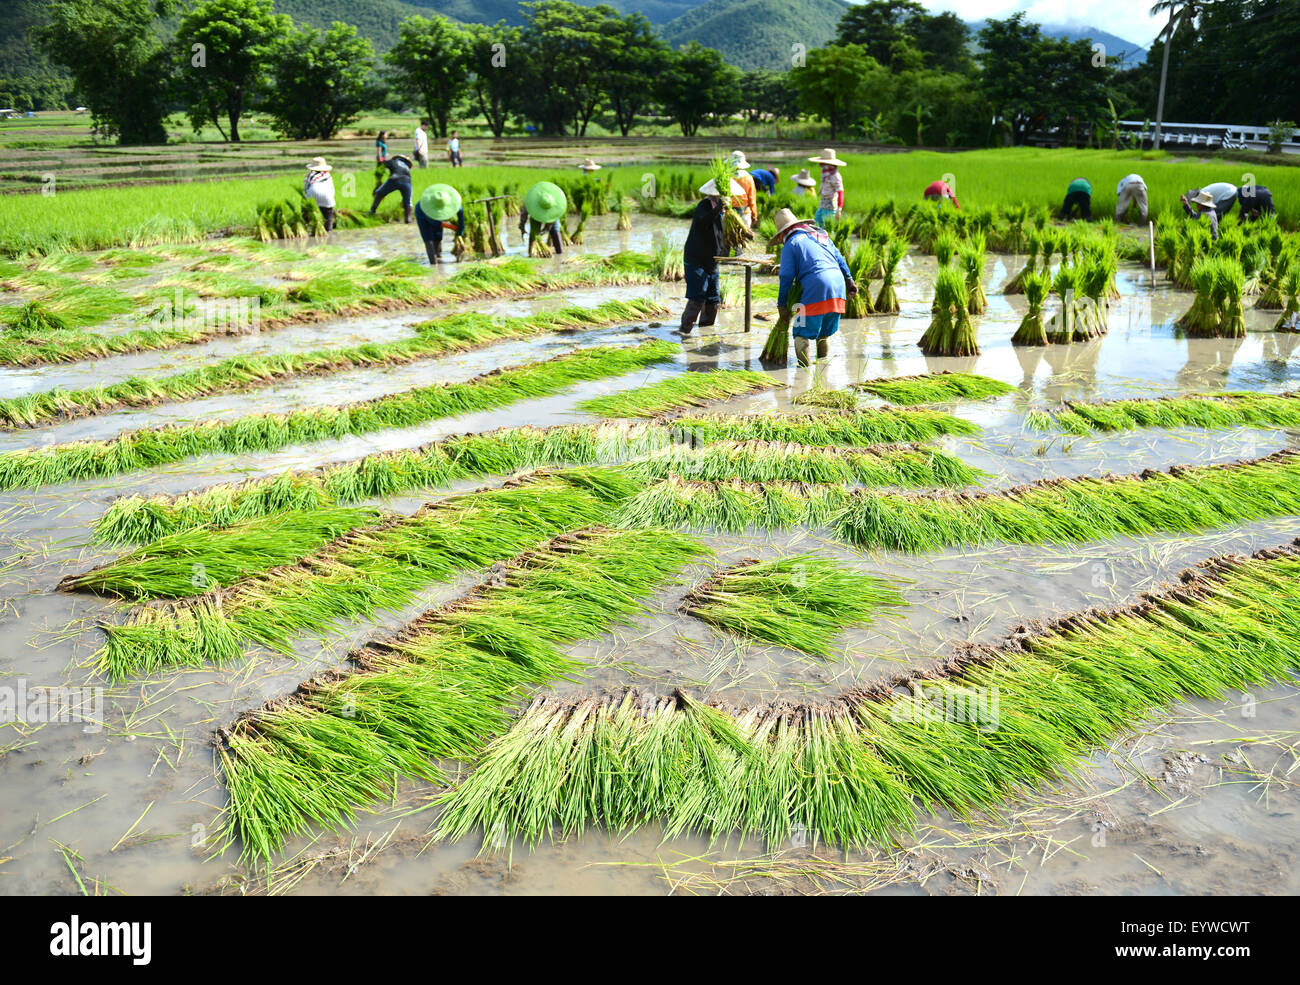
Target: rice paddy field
x,y
484,579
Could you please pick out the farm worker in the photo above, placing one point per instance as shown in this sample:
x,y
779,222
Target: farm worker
x,y
832,199
1254,201
399,180
453,150
804,183
588,166
1223,194
1131,188
421,148
433,213
1203,204
319,187
810,258
545,205
745,203
766,179
381,147
704,244
937,191
1078,194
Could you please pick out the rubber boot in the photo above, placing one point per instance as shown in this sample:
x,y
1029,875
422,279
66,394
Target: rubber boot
x,y
801,350
823,348
689,314
709,316
410,215
432,249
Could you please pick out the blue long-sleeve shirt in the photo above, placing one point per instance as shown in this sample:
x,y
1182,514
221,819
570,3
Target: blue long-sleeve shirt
x,y
764,179
810,257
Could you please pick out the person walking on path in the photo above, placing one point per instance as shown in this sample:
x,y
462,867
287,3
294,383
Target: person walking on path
x,y
433,213
810,258
804,183
421,149
745,203
831,203
1203,203
544,208
399,180
1131,190
453,150
765,179
381,147
1078,195
1254,201
1222,193
937,191
704,244
319,187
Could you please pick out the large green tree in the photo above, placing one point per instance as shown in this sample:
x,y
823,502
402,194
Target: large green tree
x,y
430,65
566,58
903,36
321,82
696,84
493,55
841,84
225,49
118,65
634,57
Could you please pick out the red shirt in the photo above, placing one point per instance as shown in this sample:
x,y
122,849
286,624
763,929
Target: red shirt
x,y
941,188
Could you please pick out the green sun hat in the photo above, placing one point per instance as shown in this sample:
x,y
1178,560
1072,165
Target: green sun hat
x,y
545,202
440,202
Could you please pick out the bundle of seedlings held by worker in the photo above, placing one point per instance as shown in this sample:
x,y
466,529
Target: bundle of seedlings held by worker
x,y
951,332
776,349
1036,286
892,254
803,602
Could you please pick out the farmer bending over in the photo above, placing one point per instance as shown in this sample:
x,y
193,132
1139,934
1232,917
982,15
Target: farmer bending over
x,y
1223,194
1131,189
1078,195
810,258
544,207
704,244
937,191
399,180
1203,203
437,206
1254,201
766,179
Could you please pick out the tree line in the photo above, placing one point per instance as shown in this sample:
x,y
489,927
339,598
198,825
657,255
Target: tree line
x,y
893,73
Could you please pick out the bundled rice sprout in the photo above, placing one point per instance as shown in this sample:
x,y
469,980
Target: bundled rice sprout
x,y
151,447
934,388
945,247
1036,286
539,244
578,236
971,258
859,768
892,254
1230,282
951,332
776,349
668,263
624,215
437,690
1289,320
862,261
1210,412
34,318
677,392
1093,308
1272,295
829,428
803,602
1063,327
1016,285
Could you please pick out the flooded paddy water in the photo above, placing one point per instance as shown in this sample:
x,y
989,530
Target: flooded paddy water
x,y
1199,800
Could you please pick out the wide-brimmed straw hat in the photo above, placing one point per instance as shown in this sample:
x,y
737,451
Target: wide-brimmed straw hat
x,y
785,221
828,157
737,157
318,164
589,165
440,202
710,187
545,202
805,179
1204,198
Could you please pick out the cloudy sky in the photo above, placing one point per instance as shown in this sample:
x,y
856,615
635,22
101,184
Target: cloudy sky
x,y
1128,19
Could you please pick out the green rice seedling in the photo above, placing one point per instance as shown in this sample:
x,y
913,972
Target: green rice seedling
x,y
1036,287
436,690
1093,307
1229,288
150,447
803,602
776,350
945,247
624,215
678,392
859,428
1202,318
1272,295
971,258
1211,412
934,388
1016,285
1289,320
951,332
668,263
827,398
861,262
1062,327
34,318
892,254
1167,241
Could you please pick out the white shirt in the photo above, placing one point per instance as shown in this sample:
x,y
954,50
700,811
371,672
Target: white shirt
x,y
319,187
1129,179
421,141
453,144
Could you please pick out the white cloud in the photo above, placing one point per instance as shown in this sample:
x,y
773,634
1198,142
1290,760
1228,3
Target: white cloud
x,y
1128,19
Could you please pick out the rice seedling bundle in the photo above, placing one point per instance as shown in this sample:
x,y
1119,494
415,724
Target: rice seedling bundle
x,y
1062,327
859,428
624,215
1272,295
776,349
1093,307
945,247
1289,320
862,261
1229,288
803,602
451,334
971,257
892,254
437,690
951,332
934,388
1036,286
34,318
860,767
151,447
677,392
1016,285
1167,240
1211,412
827,398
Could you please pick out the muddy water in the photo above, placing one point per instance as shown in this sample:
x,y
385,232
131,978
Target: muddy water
x,y
1194,803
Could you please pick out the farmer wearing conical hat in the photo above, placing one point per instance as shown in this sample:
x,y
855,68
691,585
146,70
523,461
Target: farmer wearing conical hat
x,y
544,205
438,206
319,187
1201,203
809,257
804,183
832,198
745,203
588,166
704,244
